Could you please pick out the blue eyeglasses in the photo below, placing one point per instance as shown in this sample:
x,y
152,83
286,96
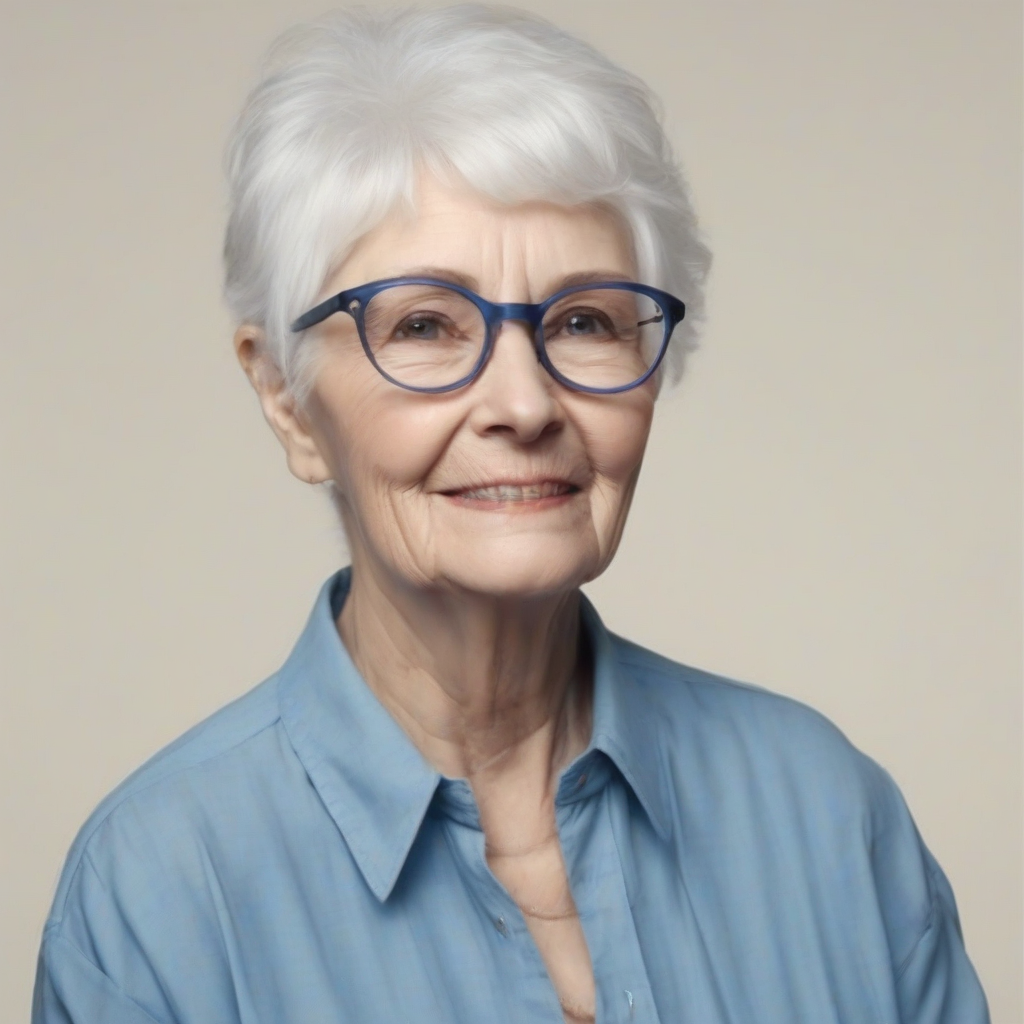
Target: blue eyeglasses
x,y
433,336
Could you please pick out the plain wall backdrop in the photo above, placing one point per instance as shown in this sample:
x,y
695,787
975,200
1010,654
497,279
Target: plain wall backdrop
x,y
831,505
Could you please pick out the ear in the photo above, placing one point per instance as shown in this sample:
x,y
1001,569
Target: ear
x,y
279,406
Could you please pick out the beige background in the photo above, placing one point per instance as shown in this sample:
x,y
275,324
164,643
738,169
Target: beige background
x,y
831,505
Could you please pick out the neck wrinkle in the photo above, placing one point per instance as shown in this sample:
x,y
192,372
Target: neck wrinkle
x,y
478,683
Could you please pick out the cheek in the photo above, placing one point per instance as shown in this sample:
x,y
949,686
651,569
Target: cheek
x,y
381,442
616,435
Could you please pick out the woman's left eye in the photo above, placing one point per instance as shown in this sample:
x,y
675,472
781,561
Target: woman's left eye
x,y
581,323
578,322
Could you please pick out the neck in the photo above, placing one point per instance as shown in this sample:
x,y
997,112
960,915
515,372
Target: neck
x,y
484,686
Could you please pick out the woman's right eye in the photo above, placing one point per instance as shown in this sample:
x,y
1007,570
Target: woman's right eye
x,y
419,328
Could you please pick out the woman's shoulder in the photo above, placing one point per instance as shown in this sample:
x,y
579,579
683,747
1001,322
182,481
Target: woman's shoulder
x,y
762,788
190,776
730,724
682,687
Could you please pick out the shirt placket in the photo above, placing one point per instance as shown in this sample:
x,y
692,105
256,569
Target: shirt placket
x,y
592,858
522,988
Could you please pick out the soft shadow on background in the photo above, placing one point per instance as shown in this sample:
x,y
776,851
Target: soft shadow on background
x,y
831,505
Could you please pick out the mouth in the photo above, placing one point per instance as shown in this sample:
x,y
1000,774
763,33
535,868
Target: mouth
x,y
543,492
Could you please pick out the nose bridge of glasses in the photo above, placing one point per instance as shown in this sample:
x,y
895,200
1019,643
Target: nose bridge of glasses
x,y
525,312
497,313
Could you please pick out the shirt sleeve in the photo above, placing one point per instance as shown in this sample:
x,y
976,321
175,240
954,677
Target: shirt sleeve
x,y
936,983
71,989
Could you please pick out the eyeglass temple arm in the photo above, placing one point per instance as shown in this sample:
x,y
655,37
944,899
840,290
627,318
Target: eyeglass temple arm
x,y
319,313
677,310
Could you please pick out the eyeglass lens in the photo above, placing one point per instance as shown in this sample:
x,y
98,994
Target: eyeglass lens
x,y
429,336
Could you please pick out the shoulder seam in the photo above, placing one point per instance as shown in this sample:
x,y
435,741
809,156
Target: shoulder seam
x,y
634,655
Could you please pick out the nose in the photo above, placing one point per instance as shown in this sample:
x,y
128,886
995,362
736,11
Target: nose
x,y
514,394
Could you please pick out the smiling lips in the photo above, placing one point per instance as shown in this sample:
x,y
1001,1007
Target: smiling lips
x,y
518,493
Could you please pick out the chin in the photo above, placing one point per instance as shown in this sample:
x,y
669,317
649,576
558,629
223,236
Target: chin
x,y
510,571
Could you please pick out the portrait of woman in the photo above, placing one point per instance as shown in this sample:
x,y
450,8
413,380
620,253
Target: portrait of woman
x,y
463,267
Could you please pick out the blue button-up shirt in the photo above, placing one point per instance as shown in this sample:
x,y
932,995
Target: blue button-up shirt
x,y
295,860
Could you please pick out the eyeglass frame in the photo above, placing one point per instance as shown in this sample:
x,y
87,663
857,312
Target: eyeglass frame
x,y
355,300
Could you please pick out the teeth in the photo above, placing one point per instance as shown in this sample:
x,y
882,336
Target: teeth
x,y
511,492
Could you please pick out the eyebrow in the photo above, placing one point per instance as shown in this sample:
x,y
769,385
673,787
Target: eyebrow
x,y
471,283
594,277
441,274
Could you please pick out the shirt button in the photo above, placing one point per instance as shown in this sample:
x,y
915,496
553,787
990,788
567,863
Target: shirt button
x,y
499,924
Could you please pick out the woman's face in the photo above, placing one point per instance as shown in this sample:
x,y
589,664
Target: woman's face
x,y
513,485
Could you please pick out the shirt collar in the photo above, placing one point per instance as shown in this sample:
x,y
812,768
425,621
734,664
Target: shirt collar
x,y
627,725
372,779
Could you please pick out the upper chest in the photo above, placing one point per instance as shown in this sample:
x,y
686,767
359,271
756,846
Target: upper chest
x,y
669,936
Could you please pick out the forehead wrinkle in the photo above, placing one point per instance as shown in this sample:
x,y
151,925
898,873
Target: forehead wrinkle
x,y
500,243
530,253
517,253
588,250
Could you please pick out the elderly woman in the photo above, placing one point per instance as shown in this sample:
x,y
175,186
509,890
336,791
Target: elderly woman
x,y
463,263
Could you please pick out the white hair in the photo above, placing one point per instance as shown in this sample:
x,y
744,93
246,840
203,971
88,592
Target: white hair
x,y
349,107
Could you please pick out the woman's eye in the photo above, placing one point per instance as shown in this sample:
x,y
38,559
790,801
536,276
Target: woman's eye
x,y
582,323
419,328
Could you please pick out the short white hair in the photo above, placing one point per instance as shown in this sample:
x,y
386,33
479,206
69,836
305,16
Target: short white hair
x,y
348,109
